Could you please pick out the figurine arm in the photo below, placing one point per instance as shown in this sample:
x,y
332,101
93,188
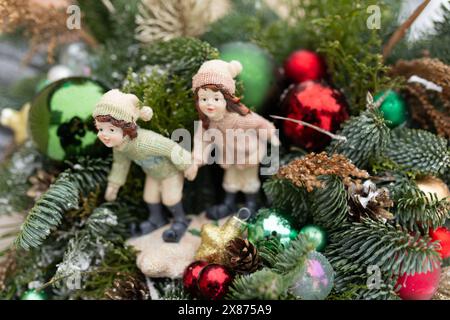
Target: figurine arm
x,y
255,121
119,170
162,146
201,147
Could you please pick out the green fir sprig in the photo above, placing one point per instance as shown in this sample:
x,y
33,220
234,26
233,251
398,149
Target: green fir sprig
x,y
62,196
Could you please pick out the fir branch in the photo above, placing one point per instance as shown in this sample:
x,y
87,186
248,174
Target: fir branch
x,y
329,204
367,136
171,289
89,242
414,209
77,259
419,150
290,261
103,222
170,98
181,56
117,259
264,284
389,247
397,182
269,250
354,287
287,197
274,283
63,195
418,211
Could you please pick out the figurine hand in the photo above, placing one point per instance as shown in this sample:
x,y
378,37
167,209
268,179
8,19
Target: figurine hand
x,y
191,172
275,141
111,192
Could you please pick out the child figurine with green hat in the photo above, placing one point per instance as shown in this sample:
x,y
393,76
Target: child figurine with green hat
x,y
162,160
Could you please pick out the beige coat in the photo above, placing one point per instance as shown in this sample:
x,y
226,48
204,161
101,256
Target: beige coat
x,y
243,146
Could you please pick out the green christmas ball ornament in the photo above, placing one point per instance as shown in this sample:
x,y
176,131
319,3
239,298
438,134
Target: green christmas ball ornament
x,y
258,73
316,235
33,295
60,119
270,224
393,108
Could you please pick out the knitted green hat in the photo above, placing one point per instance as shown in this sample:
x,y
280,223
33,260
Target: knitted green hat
x,y
122,106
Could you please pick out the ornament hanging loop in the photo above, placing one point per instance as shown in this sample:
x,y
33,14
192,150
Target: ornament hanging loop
x,y
307,124
243,214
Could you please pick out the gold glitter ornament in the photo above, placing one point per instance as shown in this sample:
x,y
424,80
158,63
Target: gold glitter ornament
x,y
216,238
17,121
430,184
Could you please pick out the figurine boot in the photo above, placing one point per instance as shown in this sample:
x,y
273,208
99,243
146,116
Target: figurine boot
x,y
156,219
179,225
251,202
223,210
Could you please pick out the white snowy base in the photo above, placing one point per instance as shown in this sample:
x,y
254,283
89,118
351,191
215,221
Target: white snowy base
x,y
159,259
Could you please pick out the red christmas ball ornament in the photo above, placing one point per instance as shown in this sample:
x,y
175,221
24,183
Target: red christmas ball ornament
x,y
303,65
317,104
214,281
191,274
420,286
443,235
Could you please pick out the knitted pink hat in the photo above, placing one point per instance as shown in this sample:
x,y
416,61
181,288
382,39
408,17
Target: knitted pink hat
x,y
217,72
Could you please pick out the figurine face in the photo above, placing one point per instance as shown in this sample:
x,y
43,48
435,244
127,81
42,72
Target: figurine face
x,y
212,103
109,134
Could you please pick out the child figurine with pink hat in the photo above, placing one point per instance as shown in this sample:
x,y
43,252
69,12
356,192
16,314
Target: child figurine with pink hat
x,y
162,160
221,111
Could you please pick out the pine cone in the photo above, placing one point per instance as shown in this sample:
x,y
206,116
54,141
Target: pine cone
x,y
128,286
368,201
242,256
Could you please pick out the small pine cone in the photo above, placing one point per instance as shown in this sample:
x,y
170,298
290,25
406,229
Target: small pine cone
x,y
128,287
367,201
242,256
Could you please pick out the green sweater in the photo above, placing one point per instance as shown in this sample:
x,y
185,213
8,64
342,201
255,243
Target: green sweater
x,y
158,156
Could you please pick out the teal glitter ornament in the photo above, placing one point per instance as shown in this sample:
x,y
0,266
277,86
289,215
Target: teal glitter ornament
x,y
316,235
393,108
33,295
316,278
258,73
270,224
60,119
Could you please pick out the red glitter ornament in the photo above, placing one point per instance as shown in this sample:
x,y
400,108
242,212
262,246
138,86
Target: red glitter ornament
x,y
214,281
443,235
191,274
303,65
420,286
317,104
